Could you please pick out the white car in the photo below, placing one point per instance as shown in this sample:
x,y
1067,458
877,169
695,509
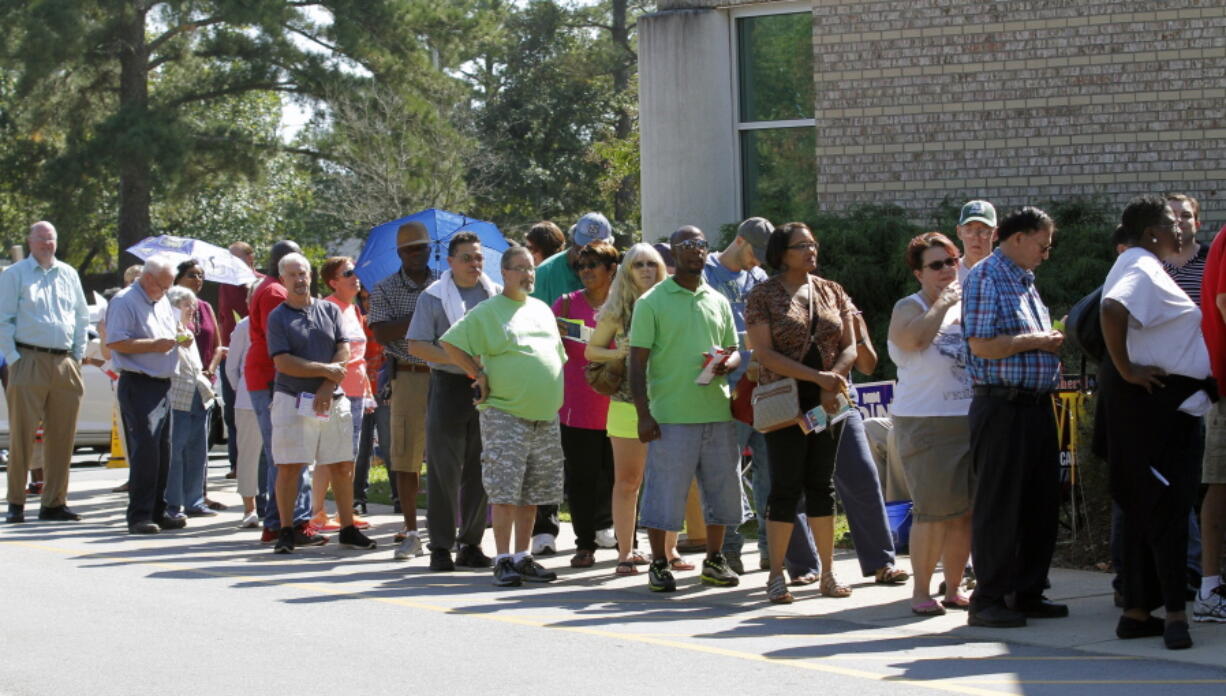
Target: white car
x,y
94,418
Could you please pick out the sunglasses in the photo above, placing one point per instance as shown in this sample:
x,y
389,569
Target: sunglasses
x,y
588,266
938,265
692,245
645,264
348,274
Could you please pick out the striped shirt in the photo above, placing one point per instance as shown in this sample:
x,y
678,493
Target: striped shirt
x,y
1188,276
999,298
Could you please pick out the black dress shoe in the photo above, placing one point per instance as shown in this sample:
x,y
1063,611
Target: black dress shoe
x,y
1041,608
470,556
172,522
60,513
1129,628
440,561
1176,636
145,527
16,514
995,616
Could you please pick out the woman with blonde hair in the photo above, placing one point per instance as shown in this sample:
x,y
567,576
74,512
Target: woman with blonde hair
x,y
641,269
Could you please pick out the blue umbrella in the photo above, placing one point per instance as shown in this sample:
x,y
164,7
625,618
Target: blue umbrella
x,y
378,259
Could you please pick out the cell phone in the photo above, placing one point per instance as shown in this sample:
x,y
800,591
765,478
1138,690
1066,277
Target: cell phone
x,y
476,391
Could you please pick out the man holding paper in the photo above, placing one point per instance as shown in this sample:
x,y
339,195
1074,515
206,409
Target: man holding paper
x,y
677,326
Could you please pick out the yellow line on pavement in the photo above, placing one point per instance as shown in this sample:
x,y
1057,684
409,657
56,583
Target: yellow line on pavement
x,y
960,686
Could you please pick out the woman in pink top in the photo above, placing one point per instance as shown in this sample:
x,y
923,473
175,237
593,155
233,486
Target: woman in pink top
x,y
585,443
337,273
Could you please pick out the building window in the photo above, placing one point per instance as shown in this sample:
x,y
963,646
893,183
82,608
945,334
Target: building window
x,y
775,109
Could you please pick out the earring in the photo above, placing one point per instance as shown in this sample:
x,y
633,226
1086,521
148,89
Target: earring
x,y
1153,240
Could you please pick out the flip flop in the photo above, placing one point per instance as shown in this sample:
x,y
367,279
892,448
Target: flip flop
x,y
929,608
680,563
959,602
625,568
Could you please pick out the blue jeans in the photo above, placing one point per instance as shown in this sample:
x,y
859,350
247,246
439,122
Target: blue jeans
x,y
859,488
189,458
705,450
261,403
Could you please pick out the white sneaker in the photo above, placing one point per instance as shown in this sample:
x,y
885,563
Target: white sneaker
x,y
1211,608
544,545
250,521
409,548
606,539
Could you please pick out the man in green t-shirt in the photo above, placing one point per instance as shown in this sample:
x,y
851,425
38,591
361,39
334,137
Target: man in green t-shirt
x,y
519,377
676,326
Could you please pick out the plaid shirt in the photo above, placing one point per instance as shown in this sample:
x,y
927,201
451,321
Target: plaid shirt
x,y
395,298
999,298
187,380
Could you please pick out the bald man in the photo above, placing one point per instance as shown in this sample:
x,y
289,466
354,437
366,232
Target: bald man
x,y
43,319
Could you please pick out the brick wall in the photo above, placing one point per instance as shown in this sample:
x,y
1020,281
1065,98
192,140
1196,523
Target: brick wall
x,y
1020,101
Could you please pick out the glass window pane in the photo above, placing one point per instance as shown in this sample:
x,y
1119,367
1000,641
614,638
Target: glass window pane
x,y
779,173
775,71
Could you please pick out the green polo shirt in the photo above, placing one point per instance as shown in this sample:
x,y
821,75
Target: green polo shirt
x,y
554,278
679,326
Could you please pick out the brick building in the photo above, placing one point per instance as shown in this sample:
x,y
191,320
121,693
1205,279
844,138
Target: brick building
x,y
778,108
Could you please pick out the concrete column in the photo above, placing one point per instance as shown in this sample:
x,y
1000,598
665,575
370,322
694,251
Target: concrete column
x,y
686,122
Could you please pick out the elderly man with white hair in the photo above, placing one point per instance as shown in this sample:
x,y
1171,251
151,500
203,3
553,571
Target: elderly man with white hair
x,y
140,331
43,318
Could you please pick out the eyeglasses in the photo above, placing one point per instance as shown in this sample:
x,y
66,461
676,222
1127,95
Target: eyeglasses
x,y
976,232
348,274
949,262
469,258
588,266
803,246
645,264
696,244
522,269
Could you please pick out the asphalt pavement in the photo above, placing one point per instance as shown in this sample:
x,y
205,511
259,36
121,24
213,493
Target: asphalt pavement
x,y
208,609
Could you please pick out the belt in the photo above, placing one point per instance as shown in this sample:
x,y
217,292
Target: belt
x,y
1015,394
142,375
411,367
53,351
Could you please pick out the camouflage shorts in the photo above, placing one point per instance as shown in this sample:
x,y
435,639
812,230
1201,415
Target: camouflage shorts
x,y
521,460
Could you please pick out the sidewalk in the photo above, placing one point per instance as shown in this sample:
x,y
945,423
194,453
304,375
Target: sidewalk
x,y
881,610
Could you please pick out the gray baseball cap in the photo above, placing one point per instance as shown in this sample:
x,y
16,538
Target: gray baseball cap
x,y
590,228
756,231
980,211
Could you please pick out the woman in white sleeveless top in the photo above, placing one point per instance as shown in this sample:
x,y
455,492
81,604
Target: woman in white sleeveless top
x,y
930,408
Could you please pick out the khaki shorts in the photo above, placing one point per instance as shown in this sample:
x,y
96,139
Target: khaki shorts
x,y
1214,464
408,421
298,439
936,460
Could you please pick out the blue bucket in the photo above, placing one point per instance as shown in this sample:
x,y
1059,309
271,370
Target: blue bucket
x,y
899,514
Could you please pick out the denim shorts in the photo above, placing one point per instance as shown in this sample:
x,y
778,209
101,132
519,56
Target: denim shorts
x,y
706,450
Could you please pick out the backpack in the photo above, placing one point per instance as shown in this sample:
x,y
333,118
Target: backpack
x,y
1084,329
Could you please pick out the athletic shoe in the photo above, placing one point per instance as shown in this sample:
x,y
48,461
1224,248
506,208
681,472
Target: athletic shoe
x,y
285,541
250,521
531,571
306,535
606,539
544,545
268,536
734,562
352,537
505,574
1212,607
659,577
410,547
715,571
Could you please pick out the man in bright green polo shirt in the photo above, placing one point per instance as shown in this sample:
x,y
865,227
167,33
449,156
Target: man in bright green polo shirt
x,y
689,425
519,378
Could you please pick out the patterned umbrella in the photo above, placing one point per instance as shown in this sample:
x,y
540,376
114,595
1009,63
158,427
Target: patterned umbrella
x,y
220,266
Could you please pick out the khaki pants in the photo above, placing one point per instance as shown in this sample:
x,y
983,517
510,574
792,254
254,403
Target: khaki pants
x,y
43,388
408,421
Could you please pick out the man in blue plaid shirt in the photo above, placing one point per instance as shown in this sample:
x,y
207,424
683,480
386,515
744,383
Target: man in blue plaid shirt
x,y
1014,361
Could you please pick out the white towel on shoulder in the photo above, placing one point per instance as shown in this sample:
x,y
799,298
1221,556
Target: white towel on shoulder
x,y
448,293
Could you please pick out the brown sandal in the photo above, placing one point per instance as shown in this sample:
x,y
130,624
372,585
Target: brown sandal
x,y
831,587
889,575
583,559
679,563
625,568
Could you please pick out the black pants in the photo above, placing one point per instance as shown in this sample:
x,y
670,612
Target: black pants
x,y
453,448
145,411
589,480
227,415
1017,497
801,466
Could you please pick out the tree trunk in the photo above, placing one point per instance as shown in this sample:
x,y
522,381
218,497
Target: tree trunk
x,y
135,174
623,198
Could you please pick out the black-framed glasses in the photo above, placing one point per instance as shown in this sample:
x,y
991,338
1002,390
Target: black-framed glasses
x,y
695,244
949,262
